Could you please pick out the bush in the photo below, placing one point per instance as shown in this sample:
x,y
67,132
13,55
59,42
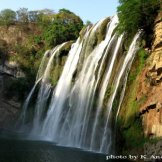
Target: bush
x,y
7,17
64,27
137,14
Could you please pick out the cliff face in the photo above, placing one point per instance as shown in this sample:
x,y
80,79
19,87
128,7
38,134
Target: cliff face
x,y
18,33
12,41
9,105
12,37
141,109
150,86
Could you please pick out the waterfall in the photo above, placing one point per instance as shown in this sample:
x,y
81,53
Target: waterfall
x,y
22,118
57,111
103,91
43,94
44,91
105,144
43,65
82,93
77,112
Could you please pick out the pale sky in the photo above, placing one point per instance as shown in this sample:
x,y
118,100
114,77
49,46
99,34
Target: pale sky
x,y
92,10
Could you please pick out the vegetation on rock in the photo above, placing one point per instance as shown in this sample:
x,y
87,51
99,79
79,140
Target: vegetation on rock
x,y
129,121
137,14
35,32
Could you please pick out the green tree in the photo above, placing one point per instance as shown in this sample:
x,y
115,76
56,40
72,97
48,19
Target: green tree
x,y
23,15
64,26
137,14
7,17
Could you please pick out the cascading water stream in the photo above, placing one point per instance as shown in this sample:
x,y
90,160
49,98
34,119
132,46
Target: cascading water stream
x,y
42,76
103,90
127,61
61,91
22,118
43,65
44,91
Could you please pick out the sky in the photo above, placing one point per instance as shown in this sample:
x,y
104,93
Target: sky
x,y
92,10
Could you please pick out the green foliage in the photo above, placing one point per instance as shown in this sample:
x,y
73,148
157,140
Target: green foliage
x,y
37,39
40,16
40,29
25,57
134,135
7,17
129,119
88,23
132,104
28,60
45,17
64,27
63,10
137,14
142,56
58,64
54,28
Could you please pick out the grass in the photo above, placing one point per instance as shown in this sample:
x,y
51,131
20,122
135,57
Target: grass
x,y
141,59
131,105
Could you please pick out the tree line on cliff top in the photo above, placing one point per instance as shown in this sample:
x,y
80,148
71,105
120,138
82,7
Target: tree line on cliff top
x,y
56,27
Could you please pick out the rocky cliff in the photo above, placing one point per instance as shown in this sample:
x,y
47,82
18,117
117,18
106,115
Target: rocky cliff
x,y
150,86
140,118
15,40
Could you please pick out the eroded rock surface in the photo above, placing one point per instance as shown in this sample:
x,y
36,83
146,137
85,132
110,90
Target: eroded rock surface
x,y
150,86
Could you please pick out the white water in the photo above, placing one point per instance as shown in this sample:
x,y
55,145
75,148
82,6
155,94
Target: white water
x,y
62,90
83,90
75,116
43,65
44,91
128,60
22,118
103,91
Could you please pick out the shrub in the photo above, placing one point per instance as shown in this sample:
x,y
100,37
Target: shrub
x,y
137,14
7,17
65,26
